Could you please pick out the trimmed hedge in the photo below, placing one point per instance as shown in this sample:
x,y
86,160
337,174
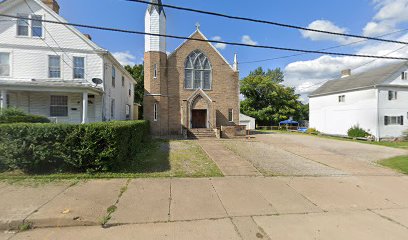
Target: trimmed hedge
x,y
14,115
46,148
23,119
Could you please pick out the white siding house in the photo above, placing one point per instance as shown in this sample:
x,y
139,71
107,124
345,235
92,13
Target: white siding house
x,y
47,69
376,100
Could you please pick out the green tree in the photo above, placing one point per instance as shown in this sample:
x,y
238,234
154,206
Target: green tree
x,y
267,100
137,72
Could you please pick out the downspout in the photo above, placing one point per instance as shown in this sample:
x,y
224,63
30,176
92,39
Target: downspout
x,y
104,88
378,114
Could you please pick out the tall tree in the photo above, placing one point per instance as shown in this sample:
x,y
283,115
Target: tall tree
x,y
137,72
267,100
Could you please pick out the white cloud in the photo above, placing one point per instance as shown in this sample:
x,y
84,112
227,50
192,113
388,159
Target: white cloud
x,y
306,76
125,58
390,13
246,39
221,46
325,25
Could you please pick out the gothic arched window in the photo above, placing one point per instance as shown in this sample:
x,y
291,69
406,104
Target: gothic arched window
x,y
198,71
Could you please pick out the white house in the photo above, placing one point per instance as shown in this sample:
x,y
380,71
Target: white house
x,y
48,69
247,121
376,100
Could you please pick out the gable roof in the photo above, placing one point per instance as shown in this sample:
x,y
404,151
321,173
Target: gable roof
x,y
74,30
370,78
60,19
205,38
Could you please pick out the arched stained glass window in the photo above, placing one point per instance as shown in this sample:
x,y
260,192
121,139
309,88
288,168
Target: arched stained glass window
x,y
198,71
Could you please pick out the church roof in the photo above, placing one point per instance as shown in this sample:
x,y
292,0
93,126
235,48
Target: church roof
x,y
158,8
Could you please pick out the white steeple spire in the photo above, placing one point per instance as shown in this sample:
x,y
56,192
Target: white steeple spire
x,y
155,22
235,66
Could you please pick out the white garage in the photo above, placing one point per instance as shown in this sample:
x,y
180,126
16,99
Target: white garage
x,y
247,121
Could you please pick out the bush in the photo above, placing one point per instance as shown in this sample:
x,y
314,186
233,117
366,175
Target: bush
x,y
405,135
312,131
45,148
14,115
357,132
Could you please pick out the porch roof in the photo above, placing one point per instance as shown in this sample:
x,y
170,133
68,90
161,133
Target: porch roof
x,y
45,86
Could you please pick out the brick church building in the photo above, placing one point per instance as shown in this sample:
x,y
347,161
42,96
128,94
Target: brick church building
x,y
190,90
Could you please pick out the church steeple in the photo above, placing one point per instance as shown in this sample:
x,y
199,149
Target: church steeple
x,y
155,22
158,8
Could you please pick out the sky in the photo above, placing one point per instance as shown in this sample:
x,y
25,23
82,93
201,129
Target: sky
x,y
305,72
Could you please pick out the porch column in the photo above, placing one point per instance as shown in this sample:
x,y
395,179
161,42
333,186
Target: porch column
x,y
3,99
84,107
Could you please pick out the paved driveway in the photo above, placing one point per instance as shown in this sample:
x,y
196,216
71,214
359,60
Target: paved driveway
x,y
302,155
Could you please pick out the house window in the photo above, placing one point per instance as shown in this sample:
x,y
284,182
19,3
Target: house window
x,y
342,98
23,25
127,111
130,89
230,115
54,66
155,71
113,77
123,81
113,108
59,106
36,26
404,76
198,72
393,120
392,95
79,67
155,112
4,64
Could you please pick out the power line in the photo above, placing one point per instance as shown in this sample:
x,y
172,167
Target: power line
x,y
209,41
70,66
267,22
355,68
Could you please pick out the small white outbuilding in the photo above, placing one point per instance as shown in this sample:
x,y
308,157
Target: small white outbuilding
x,y
247,121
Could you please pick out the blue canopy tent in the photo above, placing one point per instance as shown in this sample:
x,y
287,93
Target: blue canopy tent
x,y
289,123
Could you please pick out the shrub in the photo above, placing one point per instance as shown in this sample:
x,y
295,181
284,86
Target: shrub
x,y
312,131
14,115
405,135
95,147
357,132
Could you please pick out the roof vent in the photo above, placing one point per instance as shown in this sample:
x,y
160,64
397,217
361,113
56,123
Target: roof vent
x,y
345,73
88,36
53,4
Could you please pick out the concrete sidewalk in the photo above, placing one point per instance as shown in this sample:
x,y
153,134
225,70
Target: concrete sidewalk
x,y
229,163
220,208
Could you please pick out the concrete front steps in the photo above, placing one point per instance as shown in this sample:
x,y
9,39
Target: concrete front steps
x,y
201,133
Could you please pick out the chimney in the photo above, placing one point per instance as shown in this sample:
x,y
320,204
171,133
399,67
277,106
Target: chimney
x,y
53,4
345,73
88,36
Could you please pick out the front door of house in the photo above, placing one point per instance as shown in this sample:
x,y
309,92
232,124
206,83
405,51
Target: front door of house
x,y
199,119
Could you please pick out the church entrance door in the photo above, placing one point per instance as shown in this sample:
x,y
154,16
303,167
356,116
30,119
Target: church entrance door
x,y
199,118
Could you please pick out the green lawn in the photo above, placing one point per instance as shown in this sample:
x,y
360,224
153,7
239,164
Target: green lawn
x,y
398,163
159,158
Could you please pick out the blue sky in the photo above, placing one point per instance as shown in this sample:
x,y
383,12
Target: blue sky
x,y
369,17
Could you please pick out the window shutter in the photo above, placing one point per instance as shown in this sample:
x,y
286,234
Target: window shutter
x,y
386,120
389,95
402,120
